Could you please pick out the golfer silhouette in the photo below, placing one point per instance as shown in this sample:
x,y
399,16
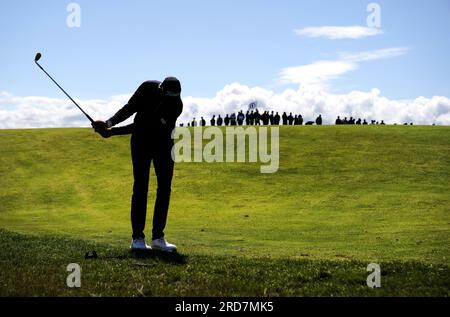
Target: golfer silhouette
x,y
157,106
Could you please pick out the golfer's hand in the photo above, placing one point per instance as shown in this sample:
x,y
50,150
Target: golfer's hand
x,y
102,128
99,125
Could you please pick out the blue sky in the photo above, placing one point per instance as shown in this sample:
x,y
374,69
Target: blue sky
x,y
309,57
209,44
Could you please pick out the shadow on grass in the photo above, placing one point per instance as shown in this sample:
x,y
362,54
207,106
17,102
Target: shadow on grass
x,y
171,258
168,257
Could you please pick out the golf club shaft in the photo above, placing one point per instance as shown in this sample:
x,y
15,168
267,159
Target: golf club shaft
x,y
87,116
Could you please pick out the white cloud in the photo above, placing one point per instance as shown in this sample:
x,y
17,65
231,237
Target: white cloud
x,y
339,32
39,112
313,100
317,73
374,55
321,72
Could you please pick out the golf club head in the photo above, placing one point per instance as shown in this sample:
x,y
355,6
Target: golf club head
x,y
38,57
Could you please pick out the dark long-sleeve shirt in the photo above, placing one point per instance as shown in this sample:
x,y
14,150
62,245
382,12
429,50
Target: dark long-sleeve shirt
x,y
155,114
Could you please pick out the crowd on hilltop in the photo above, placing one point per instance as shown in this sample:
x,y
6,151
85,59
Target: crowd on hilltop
x,y
255,118
352,120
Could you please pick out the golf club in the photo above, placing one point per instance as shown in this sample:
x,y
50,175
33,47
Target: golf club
x,y
36,59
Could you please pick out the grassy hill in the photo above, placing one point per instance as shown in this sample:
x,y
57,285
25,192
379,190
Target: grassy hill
x,y
343,197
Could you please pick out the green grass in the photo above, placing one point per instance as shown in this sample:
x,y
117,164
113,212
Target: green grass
x,y
343,197
32,265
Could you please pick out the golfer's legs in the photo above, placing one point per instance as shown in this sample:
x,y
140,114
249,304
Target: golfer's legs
x,y
164,172
141,169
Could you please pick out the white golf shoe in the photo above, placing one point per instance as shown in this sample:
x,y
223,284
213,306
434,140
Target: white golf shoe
x,y
163,245
139,244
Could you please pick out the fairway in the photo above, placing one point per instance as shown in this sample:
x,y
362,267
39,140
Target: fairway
x,y
344,197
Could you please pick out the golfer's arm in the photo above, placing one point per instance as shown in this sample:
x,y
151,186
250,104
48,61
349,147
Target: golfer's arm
x,y
123,130
130,108
123,114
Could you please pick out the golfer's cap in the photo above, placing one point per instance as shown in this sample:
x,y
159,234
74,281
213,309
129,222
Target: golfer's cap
x,y
171,86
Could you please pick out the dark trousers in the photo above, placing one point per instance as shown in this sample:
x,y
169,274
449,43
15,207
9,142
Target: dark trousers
x,y
143,152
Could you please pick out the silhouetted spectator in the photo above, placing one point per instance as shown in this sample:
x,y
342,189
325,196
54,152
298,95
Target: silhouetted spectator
x,y
219,121
295,120
194,123
240,118
365,122
213,121
300,119
262,117
266,118
382,122
252,118
247,118
319,120
338,121
257,117
272,118
227,120
277,119
345,121
285,118
358,122
202,122
290,119
233,119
